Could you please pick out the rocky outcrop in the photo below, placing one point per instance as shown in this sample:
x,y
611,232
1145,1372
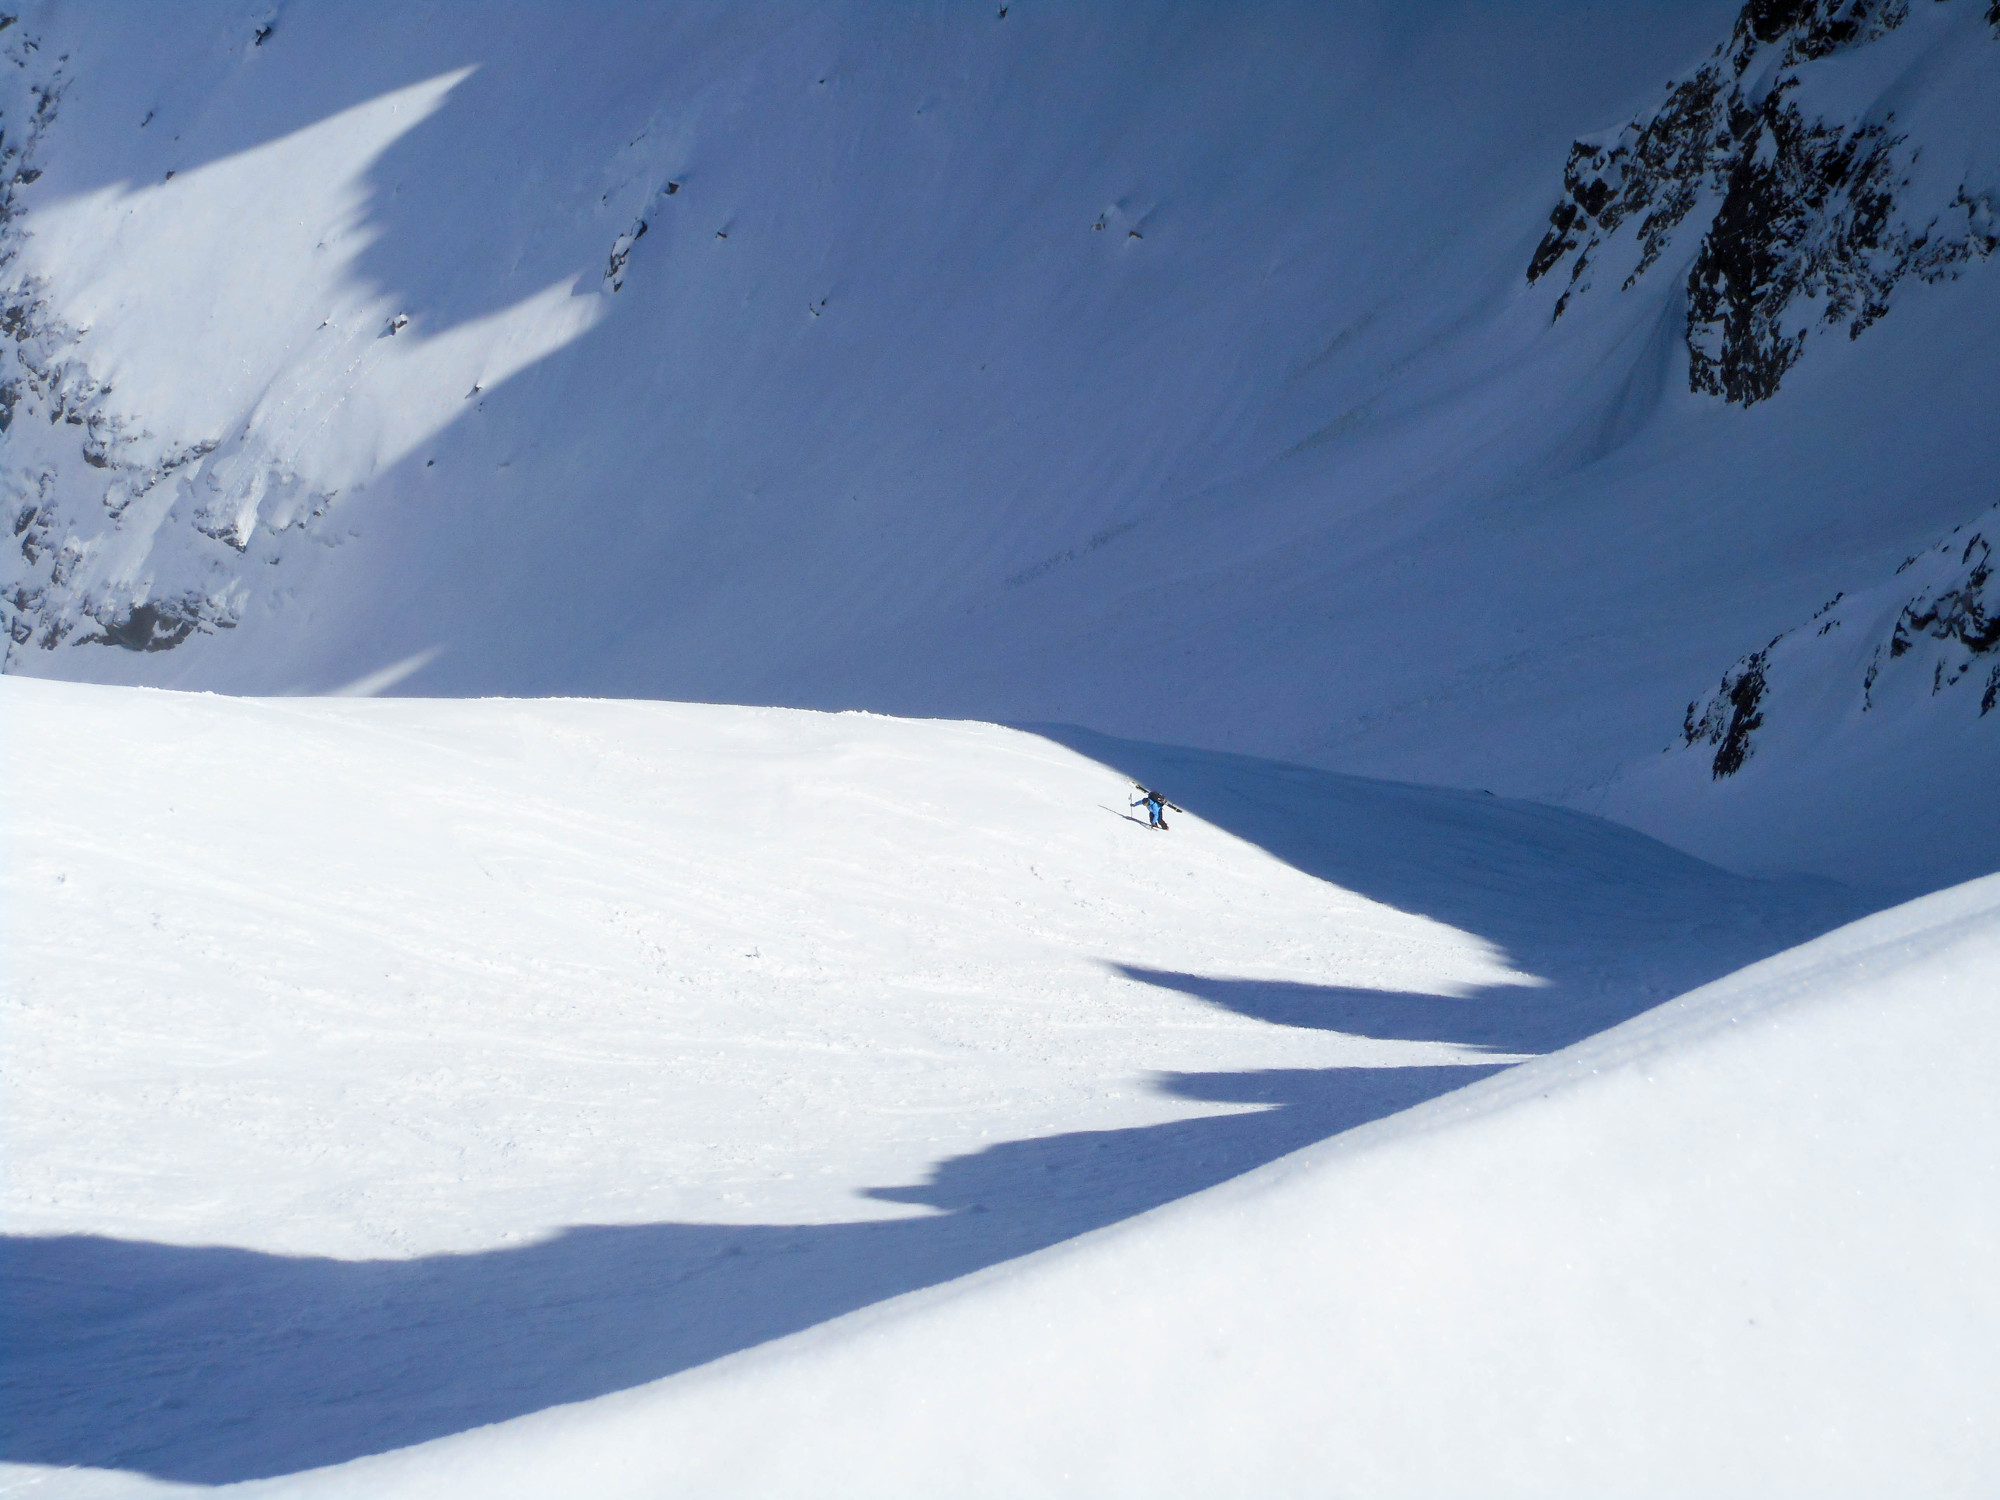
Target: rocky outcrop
x,y
1960,611
88,497
1731,715
1931,631
1804,216
621,248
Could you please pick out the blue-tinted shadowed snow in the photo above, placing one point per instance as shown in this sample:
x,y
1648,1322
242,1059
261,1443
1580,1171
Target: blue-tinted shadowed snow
x,y
212,1364
1608,922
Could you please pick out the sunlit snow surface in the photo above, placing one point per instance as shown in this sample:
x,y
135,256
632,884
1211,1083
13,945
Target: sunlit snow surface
x,y
377,1070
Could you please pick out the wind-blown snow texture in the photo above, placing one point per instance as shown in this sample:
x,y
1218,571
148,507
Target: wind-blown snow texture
x,y
1175,371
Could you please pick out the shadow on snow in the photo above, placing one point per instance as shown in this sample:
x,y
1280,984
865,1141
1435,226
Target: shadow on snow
x,y
211,1364
1599,921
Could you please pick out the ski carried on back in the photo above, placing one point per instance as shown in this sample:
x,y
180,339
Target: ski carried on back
x,y
1155,804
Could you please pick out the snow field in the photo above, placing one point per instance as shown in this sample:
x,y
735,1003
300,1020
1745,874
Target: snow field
x,y
376,1070
1740,1246
452,904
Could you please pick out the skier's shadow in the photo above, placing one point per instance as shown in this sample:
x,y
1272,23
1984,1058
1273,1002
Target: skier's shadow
x,y
1126,816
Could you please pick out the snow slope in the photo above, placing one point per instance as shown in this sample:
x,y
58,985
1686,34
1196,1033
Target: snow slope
x,y
1174,370
1743,1245
376,1070
1344,413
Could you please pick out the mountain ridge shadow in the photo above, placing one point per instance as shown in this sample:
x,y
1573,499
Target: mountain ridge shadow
x,y
165,1359
1385,1015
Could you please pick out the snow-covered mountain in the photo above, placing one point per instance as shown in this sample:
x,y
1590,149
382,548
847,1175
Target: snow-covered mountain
x,y
1520,477
1220,378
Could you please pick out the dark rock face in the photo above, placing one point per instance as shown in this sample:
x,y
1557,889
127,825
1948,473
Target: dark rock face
x,y
1730,716
1935,624
1963,612
1805,222
159,625
82,474
34,383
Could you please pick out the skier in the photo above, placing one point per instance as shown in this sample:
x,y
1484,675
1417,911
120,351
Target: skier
x,y
1155,806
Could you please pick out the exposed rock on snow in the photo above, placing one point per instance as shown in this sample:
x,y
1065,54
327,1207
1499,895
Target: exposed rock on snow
x,y
621,248
83,466
134,528
1731,716
621,251
1935,626
1959,612
1812,207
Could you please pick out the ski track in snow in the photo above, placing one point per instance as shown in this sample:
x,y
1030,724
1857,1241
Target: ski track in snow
x,y
377,1069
